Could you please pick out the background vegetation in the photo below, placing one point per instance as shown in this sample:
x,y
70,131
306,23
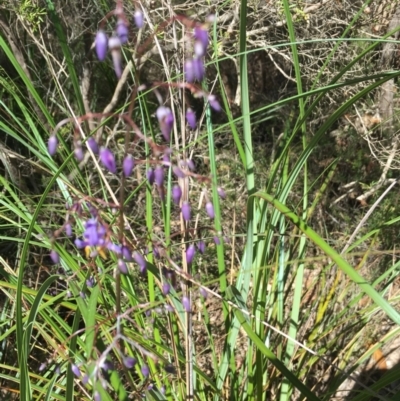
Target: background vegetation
x,y
297,293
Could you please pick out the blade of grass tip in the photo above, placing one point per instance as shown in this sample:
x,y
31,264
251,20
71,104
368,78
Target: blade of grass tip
x,y
342,264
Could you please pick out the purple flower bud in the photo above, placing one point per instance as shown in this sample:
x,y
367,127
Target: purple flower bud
x,y
194,70
128,165
55,257
217,241
115,45
159,176
126,253
191,118
186,303
85,379
190,164
80,243
169,308
203,292
145,370
201,41
166,121
75,370
210,210
82,294
221,193
115,248
138,18
129,362
108,160
78,153
166,288
92,145
141,261
90,282
176,194
52,145
42,366
96,396
178,172
101,45
214,103
150,175
162,390
122,31
122,267
201,246
186,211
190,253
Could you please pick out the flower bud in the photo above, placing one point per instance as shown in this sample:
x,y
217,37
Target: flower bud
x,y
190,164
78,153
108,160
176,194
201,41
210,210
138,19
92,145
191,118
129,362
186,303
141,261
159,176
186,211
178,172
150,176
145,370
194,70
201,246
214,103
122,31
75,370
115,46
128,165
96,396
52,145
190,253
55,257
166,121
221,193
126,253
203,292
122,267
101,45
166,288
217,241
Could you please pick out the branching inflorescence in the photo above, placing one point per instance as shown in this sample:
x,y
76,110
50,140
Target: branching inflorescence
x,y
99,235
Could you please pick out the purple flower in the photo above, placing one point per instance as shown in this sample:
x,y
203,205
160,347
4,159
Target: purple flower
x,y
191,118
201,41
221,193
127,165
138,18
126,253
82,294
90,282
96,396
75,370
201,246
166,288
150,176
78,153
55,257
190,253
80,243
186,211
108,160
94,233
159,176
129,362
145,370
190,164
92,145
101,45
68,230
217,241
166,121
115,248
176,194
122,267
178,172
194,70
141,261
186,303
122,31
52,145
203,292
214,103
210,210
